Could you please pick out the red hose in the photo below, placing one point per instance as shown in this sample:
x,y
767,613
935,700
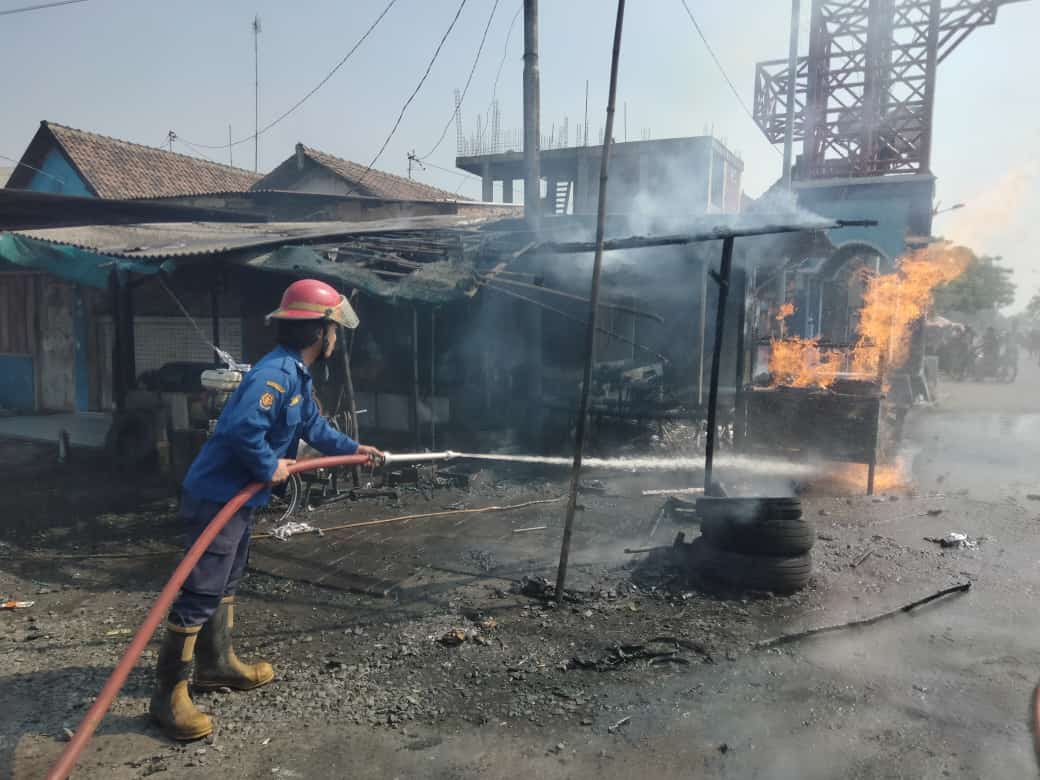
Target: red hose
x,y
117,679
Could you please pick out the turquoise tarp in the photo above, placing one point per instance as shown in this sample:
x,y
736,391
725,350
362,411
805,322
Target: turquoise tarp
x,y
72,263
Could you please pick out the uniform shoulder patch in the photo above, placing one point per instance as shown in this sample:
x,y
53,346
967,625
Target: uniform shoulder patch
x,y
275,385
266,401
295,400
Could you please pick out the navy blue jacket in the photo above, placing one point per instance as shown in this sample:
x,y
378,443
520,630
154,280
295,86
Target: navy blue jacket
x,y
263,420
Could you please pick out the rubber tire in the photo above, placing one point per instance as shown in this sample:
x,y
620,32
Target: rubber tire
x,y
756,572
775,536
752,509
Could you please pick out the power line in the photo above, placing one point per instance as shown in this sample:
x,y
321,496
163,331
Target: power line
x,y
454,171
318,86
722,70
39,8
196,150
411,97
465,89
26,165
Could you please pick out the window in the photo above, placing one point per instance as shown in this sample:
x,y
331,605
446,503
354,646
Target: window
x,y
15,313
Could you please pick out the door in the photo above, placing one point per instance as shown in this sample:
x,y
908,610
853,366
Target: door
x,y
57,345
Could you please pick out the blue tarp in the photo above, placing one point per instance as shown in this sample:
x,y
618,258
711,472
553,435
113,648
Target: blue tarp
x,y
77,265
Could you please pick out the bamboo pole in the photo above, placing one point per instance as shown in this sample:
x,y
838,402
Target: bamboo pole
x,y
716,358
590,331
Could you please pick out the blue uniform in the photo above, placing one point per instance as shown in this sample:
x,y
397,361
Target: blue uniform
x,y
262,422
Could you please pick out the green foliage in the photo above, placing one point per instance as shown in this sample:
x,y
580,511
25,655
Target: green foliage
x,y
1032,311
985,285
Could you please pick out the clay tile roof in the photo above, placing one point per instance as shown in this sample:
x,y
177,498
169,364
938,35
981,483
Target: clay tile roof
x,y
376,183
120,169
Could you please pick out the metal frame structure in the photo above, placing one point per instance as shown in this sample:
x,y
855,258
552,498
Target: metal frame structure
x,y
864,97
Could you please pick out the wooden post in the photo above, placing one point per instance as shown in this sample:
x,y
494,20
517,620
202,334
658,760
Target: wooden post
x,y
701,333
590,332
433,379
738,428
129,345
415,378
214,310
713,389
872,464
348,391
123,369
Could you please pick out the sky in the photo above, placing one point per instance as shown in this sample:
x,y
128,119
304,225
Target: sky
x,y
137,70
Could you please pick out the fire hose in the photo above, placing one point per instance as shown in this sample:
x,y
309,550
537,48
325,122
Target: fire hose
x,y
117,679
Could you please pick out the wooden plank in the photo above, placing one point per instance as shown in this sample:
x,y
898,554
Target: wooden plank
x,y
33,314
57,356
20,326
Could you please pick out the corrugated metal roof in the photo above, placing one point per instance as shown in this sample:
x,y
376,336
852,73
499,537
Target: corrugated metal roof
x,y
159,241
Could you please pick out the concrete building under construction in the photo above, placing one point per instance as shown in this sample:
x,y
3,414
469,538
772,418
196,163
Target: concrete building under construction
x,y
679,176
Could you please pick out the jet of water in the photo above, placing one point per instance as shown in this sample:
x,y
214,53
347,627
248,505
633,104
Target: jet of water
x,y
748,465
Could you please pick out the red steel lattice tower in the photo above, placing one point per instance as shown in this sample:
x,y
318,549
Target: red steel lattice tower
x,y
864,96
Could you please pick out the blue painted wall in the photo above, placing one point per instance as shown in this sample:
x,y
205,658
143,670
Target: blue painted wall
x,y
60,177
16,382
901,207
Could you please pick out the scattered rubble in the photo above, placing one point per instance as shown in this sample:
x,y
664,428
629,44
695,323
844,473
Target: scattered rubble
x,y
954,539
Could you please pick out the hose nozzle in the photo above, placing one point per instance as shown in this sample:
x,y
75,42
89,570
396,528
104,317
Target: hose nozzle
x,y
417,457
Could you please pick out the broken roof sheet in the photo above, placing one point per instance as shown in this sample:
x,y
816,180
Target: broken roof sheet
x,y
180,240
428,259
437,281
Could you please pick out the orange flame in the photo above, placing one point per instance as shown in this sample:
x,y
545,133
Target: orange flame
x,y
892,303
797,362
851,478
785,311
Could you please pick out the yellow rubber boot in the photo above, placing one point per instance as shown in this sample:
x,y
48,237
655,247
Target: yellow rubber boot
x,y
171,705
216,665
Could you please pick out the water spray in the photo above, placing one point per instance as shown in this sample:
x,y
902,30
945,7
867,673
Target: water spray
x,y
746,464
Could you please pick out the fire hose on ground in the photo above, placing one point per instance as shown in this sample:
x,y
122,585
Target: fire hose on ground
x,y
88,725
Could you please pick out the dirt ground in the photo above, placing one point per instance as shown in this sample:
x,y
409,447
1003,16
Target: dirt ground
x,y
640,672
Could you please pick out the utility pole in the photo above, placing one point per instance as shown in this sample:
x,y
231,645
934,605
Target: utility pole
x,y
412,158
230,156
170,138
792,77
256,96
532,121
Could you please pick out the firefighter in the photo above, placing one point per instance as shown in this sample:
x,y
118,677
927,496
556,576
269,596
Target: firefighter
x,y
255,440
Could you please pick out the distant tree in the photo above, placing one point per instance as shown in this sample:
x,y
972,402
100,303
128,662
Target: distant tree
x,y
1032,312
984,286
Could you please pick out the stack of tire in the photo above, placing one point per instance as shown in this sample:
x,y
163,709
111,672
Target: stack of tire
x,y
755,543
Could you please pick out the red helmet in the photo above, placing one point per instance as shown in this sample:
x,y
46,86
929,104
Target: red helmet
x,y
310,299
